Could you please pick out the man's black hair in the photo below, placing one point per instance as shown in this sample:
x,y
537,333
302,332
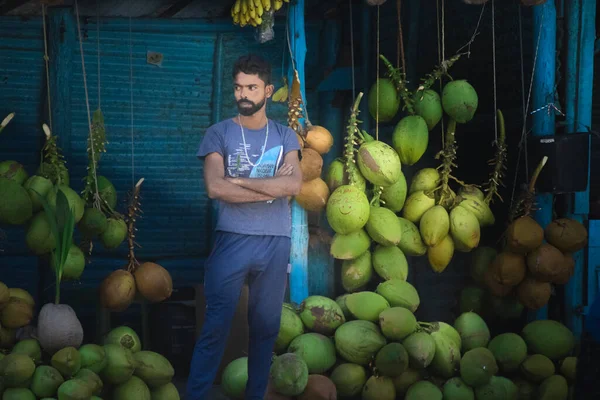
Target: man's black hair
x,y
252,64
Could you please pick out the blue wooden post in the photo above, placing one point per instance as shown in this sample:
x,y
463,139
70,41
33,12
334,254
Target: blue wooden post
x,y
544,27
581,32
61,43
299,252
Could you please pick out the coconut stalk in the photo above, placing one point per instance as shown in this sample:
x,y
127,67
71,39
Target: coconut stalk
x,y
6,121
439,72
96,146
499,163
448,156
526,200
52,164
295,107
351,140
398,78
133,213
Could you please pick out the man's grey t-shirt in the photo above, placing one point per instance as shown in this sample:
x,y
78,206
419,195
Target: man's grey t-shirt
x,y
258,218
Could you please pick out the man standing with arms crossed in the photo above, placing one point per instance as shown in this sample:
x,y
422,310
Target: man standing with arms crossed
x,y
251,166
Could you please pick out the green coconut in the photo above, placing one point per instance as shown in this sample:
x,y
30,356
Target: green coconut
x,y
347,209
410,139
93,357
416,205
14,171
358,341
366,305
349,379
321,314
124,336
525,389
37,186
383,226
456,389
290,327
399,293
18,394
420,347
548,337
337,175
120,365
234,378
378,162
477,366
472,298
107,191
446,359
74,265
480,209
509,350
471,191
537,367
460,100
423,390
16,370
392,360
76,203
67,361
153,368
318,351
134,388
394,196
397,323
408,378
498,388
568,369
389,262
16,207
411,242
357,273
92,379
29,347
383,100
38,236
507,307
473,331
449,331
481,258
114,234
165,392
425,179
93,222
427,104
465,228
289,374
341,301
434,225
349,246
554,387
379,388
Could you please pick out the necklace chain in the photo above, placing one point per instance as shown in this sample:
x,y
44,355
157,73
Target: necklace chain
x,y
246,147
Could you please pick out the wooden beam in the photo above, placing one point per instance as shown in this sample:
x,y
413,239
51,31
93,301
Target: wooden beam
x,y
10,5
175,8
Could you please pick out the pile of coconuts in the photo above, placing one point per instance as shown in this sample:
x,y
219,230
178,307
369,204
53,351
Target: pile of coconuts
x,y
118,368
369,345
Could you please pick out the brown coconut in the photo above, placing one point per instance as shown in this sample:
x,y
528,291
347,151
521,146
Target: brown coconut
x,y
313,195
545,263
300,140
495,287
566,234
508,268
153,282
319,139
568,268
117,290
272,393
311,164
16,313
524,235
319,387
534,294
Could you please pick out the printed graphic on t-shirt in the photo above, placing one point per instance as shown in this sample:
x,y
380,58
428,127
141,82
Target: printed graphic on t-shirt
x,y
238,165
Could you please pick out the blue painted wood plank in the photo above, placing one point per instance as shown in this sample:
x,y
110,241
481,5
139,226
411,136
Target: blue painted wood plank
x,y
544,27
299,250
339,79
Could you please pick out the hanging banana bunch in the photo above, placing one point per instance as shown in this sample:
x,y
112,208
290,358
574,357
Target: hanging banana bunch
x,y
250,12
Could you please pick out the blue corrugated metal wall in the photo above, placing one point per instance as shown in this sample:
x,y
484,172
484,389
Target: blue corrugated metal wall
x,y
173,104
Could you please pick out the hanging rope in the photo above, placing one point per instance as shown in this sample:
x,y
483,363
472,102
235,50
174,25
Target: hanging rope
x,y
131,101
494,68
377,81
441,39
98,51
352,51
46,60
400,39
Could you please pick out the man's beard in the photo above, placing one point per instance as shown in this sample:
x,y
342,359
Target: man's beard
x,y
248,111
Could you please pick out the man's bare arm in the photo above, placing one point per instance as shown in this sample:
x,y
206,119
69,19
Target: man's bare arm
x,y
221,189
278,186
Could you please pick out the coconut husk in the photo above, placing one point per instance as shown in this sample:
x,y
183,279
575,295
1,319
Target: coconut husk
x,y
524,235
153,282
319,139
319,387
534,294
16,313
568,268
313,195
508,268
117,290
311,164
495,287
545,263
566,234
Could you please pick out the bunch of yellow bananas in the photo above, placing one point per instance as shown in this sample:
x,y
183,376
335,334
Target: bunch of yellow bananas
x,y
249,12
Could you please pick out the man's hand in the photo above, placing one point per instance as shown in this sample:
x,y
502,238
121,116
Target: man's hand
x,y
285,170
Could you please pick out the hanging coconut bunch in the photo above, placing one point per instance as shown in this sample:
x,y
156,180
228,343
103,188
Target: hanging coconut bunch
x,y
148,279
